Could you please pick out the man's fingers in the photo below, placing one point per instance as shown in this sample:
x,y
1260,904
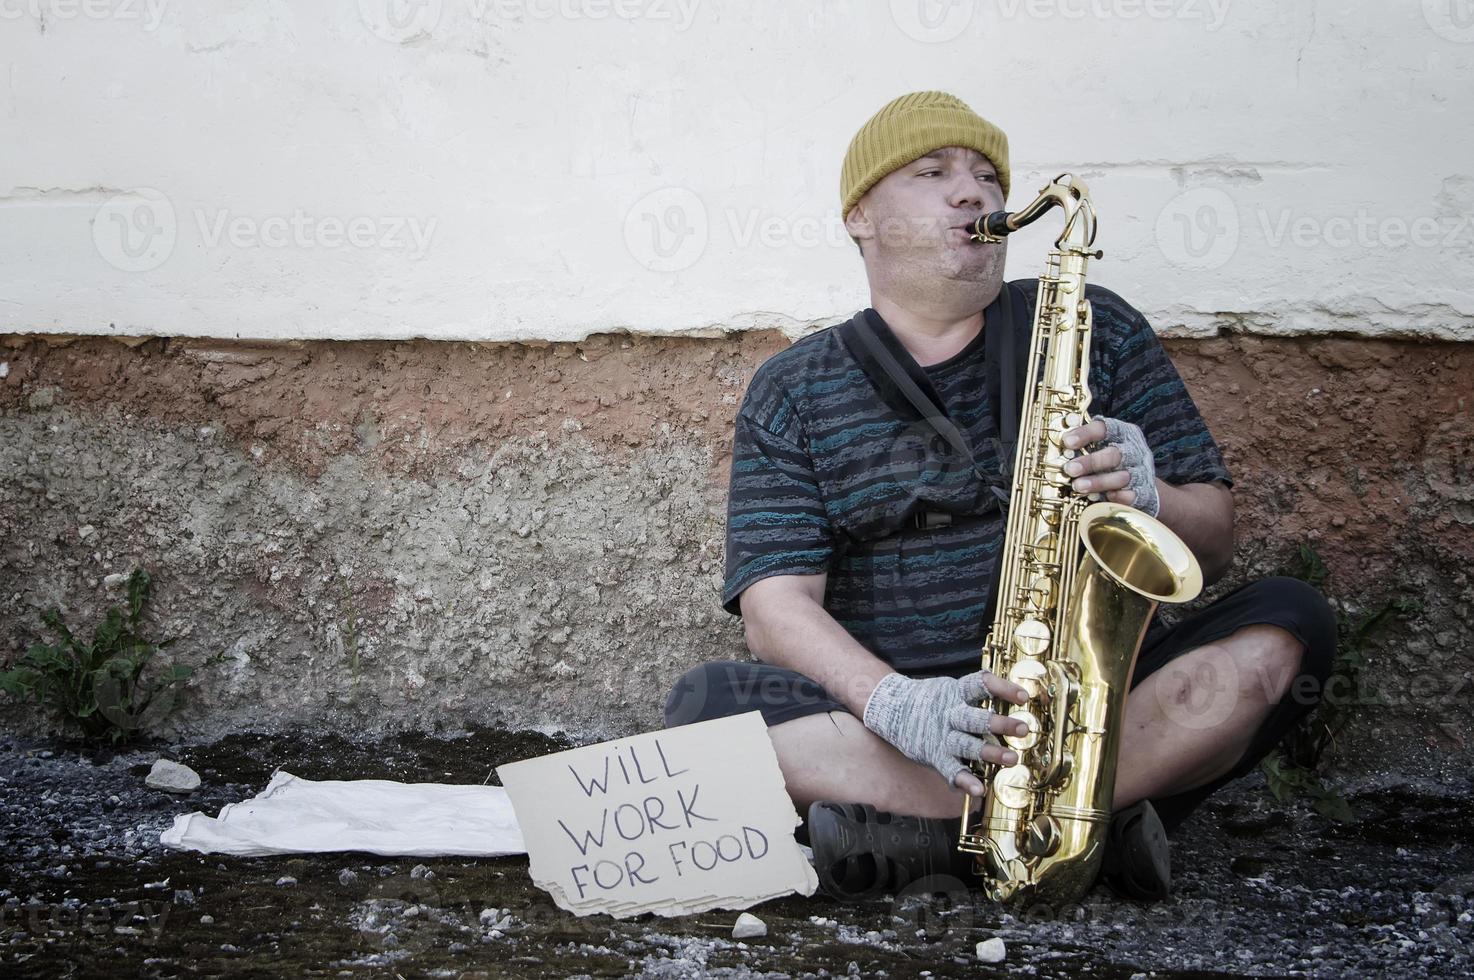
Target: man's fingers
x,y
1085,434
966,718
1114,480
1101,461
1004,725
1127,497
1005,689
1000,756
969,783
965,746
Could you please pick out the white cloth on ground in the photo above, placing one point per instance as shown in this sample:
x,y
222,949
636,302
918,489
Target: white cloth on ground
x,y
380,816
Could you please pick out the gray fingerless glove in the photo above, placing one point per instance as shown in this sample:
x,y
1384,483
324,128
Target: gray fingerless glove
x,y
931,720
1136,459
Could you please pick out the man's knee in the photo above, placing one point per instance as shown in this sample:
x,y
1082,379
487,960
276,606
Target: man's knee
x,y
691,696
1301,611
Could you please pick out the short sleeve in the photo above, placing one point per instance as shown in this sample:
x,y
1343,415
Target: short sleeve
x,y
776,521
1146,390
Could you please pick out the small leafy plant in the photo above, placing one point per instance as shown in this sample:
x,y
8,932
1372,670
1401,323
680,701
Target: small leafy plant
x,y
1291,768
98,687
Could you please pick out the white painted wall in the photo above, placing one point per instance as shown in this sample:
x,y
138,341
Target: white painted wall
x,y
518,169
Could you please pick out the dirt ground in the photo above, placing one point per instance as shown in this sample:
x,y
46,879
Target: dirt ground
x,y
1261,889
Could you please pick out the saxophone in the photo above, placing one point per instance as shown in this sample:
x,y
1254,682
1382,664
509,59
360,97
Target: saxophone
x,y
1077,589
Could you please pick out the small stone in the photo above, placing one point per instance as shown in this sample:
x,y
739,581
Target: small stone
x,y
286,881
412,912
115,580
421,871
207,920
347,876
173,777
86,531
183,896
4,369
991,950
748,926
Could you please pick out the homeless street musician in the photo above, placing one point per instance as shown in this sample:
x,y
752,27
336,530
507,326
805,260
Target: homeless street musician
x,y
865,534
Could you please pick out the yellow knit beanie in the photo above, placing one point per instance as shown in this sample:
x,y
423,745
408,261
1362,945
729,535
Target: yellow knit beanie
x,y
912,126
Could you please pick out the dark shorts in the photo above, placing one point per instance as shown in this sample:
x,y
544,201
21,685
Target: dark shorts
x,y
730,687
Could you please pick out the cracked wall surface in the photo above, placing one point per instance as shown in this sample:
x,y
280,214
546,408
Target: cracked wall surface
x,y
427,535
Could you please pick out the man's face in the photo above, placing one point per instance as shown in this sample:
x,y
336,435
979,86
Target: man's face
x,y
911,223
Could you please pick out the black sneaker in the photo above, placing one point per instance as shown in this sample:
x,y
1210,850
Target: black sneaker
x,y
1137,862
862,853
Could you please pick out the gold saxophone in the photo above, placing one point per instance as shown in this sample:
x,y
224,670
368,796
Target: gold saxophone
x,y
1077,589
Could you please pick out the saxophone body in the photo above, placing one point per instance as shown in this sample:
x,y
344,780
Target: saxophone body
x,y
1077,589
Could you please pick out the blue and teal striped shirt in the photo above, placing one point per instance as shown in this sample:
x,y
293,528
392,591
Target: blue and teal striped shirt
x,y
827,477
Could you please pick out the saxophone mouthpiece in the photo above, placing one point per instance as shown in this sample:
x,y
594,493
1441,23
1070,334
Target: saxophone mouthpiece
x,y
992,227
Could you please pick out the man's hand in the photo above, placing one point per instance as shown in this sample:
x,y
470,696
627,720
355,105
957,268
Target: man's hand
x,y
1122,469
935,722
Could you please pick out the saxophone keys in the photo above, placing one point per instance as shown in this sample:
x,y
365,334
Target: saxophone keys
x,y
1041,593
1013,787
1031,637
1044,836
1030,738
1029,675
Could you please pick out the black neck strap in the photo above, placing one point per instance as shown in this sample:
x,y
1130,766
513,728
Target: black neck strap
x,y
904,385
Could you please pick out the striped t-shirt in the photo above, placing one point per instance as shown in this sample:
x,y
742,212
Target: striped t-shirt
x,y
828,477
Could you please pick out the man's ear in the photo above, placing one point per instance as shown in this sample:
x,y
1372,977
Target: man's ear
x,y
859,225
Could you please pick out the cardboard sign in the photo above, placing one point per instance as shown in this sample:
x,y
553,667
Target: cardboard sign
x,y
671,822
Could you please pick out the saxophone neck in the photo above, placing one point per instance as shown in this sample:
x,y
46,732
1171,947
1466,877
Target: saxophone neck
x,y
1066,192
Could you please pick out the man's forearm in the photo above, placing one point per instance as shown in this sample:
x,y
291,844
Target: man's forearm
x,y
794,631
1202,516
